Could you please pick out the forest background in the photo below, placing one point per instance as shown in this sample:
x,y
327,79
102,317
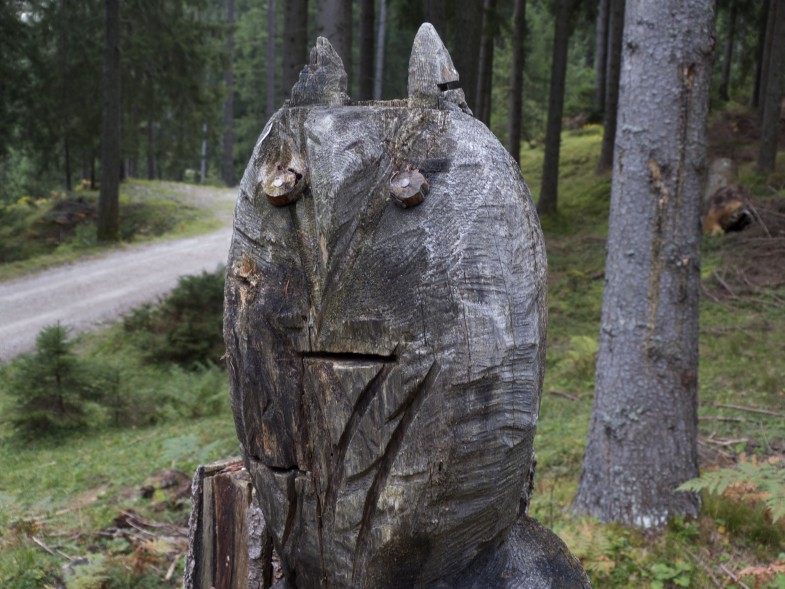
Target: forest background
x,y
198,80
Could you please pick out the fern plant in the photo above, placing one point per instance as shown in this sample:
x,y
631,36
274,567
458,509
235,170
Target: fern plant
x,y
767,479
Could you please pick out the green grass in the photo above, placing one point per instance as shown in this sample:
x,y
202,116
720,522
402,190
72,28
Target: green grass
x,y
67,491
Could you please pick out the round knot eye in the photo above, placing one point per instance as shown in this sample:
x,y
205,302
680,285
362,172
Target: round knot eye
x,y
408,188
283,186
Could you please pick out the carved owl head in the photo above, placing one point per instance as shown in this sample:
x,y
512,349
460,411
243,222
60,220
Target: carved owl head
x,y
385,355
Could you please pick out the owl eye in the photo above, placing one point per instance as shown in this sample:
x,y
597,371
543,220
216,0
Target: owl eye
x,y
283,186
408,188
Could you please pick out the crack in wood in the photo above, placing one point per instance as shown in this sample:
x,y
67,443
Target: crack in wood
x,y
361,406
292,500
351,357
411,406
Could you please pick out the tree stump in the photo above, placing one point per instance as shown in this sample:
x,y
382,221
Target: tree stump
x,y
386,361
229,544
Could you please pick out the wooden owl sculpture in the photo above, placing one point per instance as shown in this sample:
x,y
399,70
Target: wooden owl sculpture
x,y
385,328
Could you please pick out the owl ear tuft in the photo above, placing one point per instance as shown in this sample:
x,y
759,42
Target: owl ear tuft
x,y
323,80
433,79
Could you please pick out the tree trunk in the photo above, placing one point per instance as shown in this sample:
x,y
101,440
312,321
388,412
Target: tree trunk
x,y
615,35
466,41
600,59
516,80
771,17
227,160
108,218
334,21
642,440
271,93
67,158
436,14
367,49
294,43
378,68
485,65
550,168
203,159
772,98
727,56
151,168
760,53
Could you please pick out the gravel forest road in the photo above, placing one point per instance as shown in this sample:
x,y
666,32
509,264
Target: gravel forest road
x,y
90,293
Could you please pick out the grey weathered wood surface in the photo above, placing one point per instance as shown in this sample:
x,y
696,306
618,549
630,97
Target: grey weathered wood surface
x,y
386,363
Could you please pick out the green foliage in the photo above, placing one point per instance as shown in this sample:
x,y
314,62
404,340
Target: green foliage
x,y
16,220
678,574
92,574
53,388
186,327
581,358
23,565
766,479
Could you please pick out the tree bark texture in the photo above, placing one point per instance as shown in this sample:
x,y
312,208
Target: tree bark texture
x,y
365,76
771,17
466,32
642,440
294,43
436,14
485,69
272,14
615,35
760,51
227,160
600,58
550,167
108,218
516,80
727,55
150,136
772,98
378,68
386,356
334,22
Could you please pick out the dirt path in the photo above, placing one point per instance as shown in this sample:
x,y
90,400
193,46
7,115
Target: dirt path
x,y
91,293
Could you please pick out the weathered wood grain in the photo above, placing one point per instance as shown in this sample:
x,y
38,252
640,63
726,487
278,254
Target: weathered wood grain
x,y
386,363
229,543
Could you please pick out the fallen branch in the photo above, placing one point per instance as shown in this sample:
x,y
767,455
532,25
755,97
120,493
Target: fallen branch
x,y
750,409
760,220
706,569
569,396
705,291
717,451
719,418
51,551
728,442
170,570
733,576
722,283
